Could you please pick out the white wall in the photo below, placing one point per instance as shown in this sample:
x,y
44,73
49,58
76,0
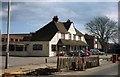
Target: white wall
x,y
56,38
72,30
54,41
67,36
83,39
77,38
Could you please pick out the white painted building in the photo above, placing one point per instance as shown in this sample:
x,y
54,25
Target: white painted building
x,y
53,37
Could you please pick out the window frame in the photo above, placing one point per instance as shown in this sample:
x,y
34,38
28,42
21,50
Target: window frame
x,y
11,39
3,39
62,36
53,47
74,37
39,47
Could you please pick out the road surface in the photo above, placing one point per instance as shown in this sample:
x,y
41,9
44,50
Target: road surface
x,y
107,68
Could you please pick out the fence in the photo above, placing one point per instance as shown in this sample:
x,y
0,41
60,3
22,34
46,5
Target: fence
x,y
77,63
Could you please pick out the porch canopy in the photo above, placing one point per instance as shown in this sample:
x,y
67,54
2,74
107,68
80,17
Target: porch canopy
x,y
71,42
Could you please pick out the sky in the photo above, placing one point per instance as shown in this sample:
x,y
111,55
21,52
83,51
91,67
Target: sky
x,y
28,17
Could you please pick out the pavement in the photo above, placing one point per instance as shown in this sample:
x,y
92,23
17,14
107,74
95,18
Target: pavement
x,y
26,64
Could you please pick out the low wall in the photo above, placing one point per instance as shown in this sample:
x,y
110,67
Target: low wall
x,y
16,53
79,63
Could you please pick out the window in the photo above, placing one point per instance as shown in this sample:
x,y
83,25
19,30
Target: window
x,y
3,47
19,47
6,40
74,37
11,48
37,47
11,39
16,39
53,47
62,36
21,40
69,36
2,39
79,38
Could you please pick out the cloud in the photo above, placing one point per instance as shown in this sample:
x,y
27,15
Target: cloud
x,y
113,15
37,14
62,0
14,7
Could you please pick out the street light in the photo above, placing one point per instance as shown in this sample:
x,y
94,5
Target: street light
x,y
8,31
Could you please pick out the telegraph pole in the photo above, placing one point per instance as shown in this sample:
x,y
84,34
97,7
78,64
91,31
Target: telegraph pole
x,y
8,31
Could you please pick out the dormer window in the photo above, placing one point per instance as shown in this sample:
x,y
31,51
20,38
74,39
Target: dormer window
x,y
69,36
62,36
74,37
79,38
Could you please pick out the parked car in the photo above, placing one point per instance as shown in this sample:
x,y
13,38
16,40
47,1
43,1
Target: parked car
x,y
73,53
83,53
101,53
96,52
90,53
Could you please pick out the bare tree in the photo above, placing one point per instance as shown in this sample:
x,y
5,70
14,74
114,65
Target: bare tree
x,y
103,28
114,38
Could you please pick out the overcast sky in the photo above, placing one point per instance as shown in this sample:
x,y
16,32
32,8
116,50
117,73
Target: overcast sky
x,y
30,16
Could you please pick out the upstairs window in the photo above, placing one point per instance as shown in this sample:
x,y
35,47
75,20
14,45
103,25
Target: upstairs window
x,y
74,37
16,40
2,39
78,37
69,36
62,36
6,39
38,47
11,39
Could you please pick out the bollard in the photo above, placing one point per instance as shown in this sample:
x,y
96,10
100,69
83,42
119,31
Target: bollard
x,y
46,60
98,63
114,58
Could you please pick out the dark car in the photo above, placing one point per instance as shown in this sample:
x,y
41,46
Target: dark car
x,y
83,53
73,53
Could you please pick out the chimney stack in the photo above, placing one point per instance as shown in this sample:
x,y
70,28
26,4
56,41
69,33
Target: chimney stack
x,y
68,20
55,18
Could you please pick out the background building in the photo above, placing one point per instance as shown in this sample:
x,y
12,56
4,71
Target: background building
x,y
92,42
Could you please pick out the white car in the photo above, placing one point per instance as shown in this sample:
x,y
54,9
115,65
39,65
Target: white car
x,y
96,51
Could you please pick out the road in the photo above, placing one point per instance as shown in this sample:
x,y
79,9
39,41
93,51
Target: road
x,y
105,69
108,70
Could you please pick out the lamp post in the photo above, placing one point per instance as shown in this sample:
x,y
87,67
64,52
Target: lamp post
x,y
8,31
